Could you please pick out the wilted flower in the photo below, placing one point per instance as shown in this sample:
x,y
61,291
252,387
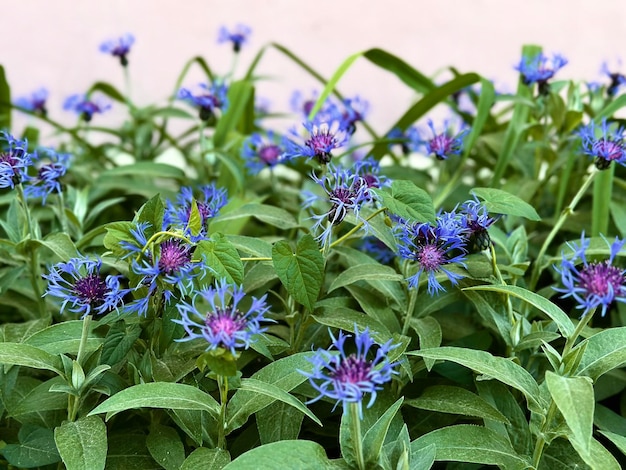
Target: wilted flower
x,y
475,219
345,376
616,79
119,47
238,36
595,283
444,144
85,106
35,102
80,284
260,152
14,160
52,166
604,146
216,316
539,69
207,98
319,143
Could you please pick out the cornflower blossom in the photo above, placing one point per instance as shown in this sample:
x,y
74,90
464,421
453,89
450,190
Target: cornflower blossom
x,y
238,36
52,167
369,170
433,248
539,69
207,98
410,139
352,111
444,144
302,106
215,315
177,214
616,79
345,376
35,102
345,191
594,284
604,146
322,139
83,288
85,106
475,219
263,151
119,47
14,160
376,249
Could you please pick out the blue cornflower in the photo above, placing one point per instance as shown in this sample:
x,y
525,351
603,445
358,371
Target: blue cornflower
x,y
410,139
321,141
214,315
14,160
52,167
353,110
345,191
35,102
263,151
617,79
475,219
81,286
432,248
207,98
238,36
539,69
119,47
177,213
377,249
444,144
345,376
85,106
369,169
593,284
606,147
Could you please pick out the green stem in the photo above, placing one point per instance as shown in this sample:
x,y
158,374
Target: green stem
x,y
541,442
410,309
557,226
154,237
256,258
355,427
84,336
61,209
582,323
222,383
356,228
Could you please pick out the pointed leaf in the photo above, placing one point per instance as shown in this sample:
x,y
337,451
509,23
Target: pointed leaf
x,y
298,454
605,351
82,443
221,255
165,447
206,459
408,201
374,437
369,272
20,354
498,201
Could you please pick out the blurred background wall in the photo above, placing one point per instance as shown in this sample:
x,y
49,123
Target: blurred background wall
x,y
55,43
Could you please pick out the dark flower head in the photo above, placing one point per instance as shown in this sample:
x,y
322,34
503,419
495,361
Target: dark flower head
x,y
345,191
616,79
52,166
432,248
81,286
207,98
319,143
539,69
260,152
594,284
119,47
177,215
444,144
410,139
86,107
377,249
369,169
238,36
475,219
14,160
605,143
342,374
217,316
35,102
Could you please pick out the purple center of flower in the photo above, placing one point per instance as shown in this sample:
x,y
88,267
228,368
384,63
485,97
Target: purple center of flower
x,y
601,279
173,256
353,370
9,159
91,289
321,144
608,149
441,145
308,106
225,322
430,257
269,154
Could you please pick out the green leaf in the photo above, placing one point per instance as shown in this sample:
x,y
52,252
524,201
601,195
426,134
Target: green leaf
x,y
278,422
617,439
63,338
485,103
19,354
299,454
5,101
195,219
152,212
239,92
82,443
557,315
222,257
498,201
345,319
206,459
165,447
127,451
263,388
369,272
601,200
302,272
108,90
374,437
146,169
400,69
429,332
599,458
574,398
423,458
38,404
36,448
170,396
117,232
269,214
604,352
283,373
499,368
61,245
456,400
475,444
408,201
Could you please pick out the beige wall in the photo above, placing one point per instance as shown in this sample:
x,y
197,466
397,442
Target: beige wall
x,y
55,43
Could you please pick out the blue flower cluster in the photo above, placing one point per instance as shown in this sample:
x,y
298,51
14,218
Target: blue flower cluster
x,y
604,143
